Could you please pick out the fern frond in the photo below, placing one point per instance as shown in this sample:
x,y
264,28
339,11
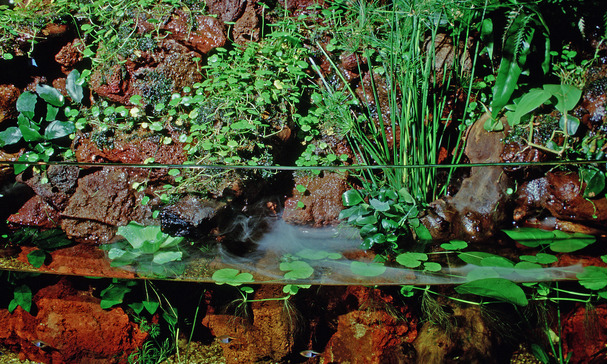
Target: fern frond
x,y
511,16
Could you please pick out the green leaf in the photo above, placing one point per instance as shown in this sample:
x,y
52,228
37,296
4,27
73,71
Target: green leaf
x,y
529,102
151,306
411,259
530,237
454,245
296,269
58,129
351,198
367,269
51,112
22,296
567,243
74,87
567,96
432,267
593,277
166,257
475,258
231,276
26,104
569,124
50,94
113,295
498,288
10,136
37,257
496,261
379,205
29,129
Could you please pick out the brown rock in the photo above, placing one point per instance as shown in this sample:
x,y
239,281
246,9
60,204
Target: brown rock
x,y
103,200
468,340
322,200
69,55
36,213
71,327
247,28
368,337
207,35
8,99
226,10
584,334
267,334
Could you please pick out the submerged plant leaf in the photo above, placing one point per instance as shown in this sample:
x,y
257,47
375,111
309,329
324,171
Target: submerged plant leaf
x,y
567,243
499,288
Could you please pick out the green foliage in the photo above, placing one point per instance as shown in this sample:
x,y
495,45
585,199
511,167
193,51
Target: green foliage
x,y
148,250
22,296
498,288
45,240
518,42
231,277
384,218
42,122
556,240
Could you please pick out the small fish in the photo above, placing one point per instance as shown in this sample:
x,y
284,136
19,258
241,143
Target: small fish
x,y
42,345
309,353
226,339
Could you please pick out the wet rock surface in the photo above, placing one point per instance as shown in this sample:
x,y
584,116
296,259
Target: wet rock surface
x,y
322,200
69,326
191,216
584,334
103,200
479,207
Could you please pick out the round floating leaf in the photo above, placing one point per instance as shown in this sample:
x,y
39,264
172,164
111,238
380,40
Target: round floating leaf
x,y
411,260
432,267
593,277
543,258
454,245
498,288
367,269
231,276
296,269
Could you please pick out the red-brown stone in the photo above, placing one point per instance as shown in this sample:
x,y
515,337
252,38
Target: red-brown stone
x,y
72,327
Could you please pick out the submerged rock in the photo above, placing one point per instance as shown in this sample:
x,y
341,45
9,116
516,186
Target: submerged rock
x,y
191,216
69,326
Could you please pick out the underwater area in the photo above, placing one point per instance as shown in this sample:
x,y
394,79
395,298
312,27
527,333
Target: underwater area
x,y
303,181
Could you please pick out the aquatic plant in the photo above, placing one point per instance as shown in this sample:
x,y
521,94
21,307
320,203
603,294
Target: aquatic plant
x,y
148,250
43,126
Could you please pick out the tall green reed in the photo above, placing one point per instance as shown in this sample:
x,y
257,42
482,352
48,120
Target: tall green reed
x,y
398,44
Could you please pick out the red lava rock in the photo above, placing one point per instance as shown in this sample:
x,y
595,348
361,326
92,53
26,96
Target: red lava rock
x,y
36,213
8,98
369,333
72,326
247,27
226,10
207,35
322,200
69,55
584,334
268,334
81,260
